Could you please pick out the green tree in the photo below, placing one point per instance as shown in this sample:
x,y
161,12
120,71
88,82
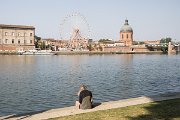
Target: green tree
x,y
90,48
138,42
43,45
165,40
104,40
37,39
100,48
164,49
141,43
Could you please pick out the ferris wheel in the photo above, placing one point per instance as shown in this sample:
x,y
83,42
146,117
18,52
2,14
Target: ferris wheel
x,y
72,24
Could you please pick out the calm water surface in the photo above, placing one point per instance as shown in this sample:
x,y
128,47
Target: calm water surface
x,y
36,83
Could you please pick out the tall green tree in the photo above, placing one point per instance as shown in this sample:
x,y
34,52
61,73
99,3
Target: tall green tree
x,y
37,39
43,45
165,40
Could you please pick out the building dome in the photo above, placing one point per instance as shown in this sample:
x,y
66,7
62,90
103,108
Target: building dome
x,y
126,27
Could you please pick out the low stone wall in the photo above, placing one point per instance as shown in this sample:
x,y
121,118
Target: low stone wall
x,y
13,48
81,52
117,49
103,52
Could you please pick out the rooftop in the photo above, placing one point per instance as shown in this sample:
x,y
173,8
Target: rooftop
x,y
16,26
126,27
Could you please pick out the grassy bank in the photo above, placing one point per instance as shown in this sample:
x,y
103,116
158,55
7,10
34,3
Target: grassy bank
x,y
164,110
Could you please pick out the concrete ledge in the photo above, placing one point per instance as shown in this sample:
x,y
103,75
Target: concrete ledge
x,y
103,52
103,106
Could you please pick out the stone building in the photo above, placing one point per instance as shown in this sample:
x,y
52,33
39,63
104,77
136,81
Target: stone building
x,y
152,42
16,37
126,34
55,44
126,40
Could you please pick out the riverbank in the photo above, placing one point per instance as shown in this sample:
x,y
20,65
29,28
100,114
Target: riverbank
x,y
102,52
86,52
54,113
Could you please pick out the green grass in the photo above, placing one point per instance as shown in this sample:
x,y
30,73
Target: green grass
x,y
164,110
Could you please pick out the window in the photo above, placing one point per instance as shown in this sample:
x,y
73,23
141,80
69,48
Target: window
x,y
6,41
19,34
24,41
6,33
30,34
19,41
122,36
13,34
12,41
127,36
31,41
25,34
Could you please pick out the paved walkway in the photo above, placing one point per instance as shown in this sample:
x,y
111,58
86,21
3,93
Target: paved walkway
x,y
103,106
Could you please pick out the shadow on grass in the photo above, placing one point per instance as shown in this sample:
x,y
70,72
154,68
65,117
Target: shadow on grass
x,y
165,110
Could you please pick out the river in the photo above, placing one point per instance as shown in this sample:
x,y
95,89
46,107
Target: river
x,y
36,83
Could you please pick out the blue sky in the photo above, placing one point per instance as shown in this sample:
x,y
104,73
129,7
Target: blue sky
x,y
150,19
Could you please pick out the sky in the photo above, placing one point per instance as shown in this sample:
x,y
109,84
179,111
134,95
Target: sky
x,y
150,19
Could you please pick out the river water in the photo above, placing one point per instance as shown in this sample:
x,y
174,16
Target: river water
x,y
36,83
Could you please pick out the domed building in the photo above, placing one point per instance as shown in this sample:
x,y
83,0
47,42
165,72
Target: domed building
x,y
126,34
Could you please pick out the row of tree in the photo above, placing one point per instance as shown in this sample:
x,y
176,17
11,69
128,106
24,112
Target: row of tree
x,y
104,40
163,40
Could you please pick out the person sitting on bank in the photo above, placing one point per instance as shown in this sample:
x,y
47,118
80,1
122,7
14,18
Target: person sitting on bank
x,y
85,98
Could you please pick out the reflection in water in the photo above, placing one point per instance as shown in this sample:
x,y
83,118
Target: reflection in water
x,y
123,77
35,83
